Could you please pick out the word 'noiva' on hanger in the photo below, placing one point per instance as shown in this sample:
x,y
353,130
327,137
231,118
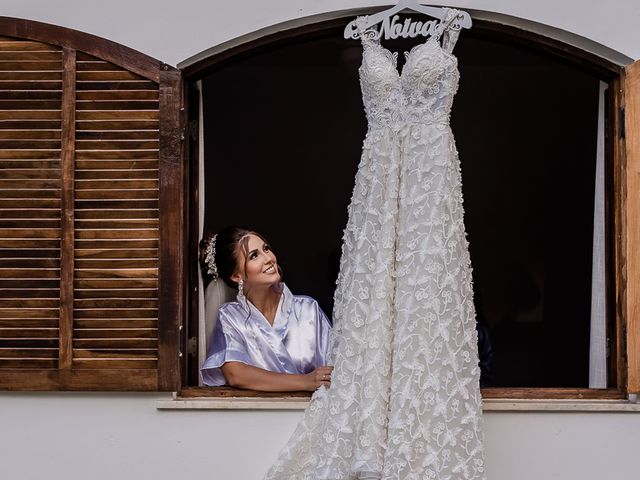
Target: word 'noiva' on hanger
x,y
392,28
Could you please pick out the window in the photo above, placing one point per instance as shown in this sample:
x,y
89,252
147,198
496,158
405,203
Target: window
x,y
535,131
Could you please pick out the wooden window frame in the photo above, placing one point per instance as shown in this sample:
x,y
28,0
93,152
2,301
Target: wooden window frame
x,y
166,377
621,231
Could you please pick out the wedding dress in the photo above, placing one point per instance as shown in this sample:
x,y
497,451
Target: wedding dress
x,y
404,401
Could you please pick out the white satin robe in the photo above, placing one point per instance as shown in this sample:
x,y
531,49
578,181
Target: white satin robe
x,y
296,343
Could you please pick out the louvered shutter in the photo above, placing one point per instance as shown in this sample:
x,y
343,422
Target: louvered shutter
x,y
630,153
90,214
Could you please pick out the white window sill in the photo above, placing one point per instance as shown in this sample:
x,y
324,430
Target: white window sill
x,y
491,405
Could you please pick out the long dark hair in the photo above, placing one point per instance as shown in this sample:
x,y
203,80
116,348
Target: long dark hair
x,y
226,258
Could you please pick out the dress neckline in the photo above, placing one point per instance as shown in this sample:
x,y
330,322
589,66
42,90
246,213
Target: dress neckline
x,y
393,55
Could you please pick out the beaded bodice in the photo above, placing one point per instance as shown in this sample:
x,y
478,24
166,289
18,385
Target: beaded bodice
x,y
423,92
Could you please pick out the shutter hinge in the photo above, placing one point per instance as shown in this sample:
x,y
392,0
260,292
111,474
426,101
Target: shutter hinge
x,y
182,127
621,122
192,346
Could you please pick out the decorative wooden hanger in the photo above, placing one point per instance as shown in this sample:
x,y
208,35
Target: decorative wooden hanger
x,y
391,28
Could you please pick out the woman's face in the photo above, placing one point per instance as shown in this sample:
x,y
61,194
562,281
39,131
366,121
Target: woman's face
x,y
261,264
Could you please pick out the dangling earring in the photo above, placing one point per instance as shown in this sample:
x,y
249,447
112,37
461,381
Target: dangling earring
x,y
240,285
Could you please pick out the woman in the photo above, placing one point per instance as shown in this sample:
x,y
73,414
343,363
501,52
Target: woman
x,y
268,339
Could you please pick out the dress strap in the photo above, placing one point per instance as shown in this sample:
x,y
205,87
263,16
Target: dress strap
x,y
367,36
448,30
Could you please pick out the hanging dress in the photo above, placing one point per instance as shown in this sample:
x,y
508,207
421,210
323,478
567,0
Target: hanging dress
x,y
404,401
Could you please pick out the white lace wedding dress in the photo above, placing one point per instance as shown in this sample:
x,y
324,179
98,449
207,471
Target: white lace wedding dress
x,y
404,401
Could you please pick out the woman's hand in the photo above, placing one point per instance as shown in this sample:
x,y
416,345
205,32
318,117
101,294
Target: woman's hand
x,y
241,375
320,376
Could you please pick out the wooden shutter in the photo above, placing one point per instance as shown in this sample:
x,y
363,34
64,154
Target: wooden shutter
x,y
631,134
90,213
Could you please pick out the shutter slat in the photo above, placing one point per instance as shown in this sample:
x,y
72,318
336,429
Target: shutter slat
x,y
120,105
30,183
123,165
18,94
25,173
30,233
121,115
106,85
53,203
113,184
7,263
8,44
19,344
26,362
124,363
84,304
39,55
22,303
30,134
132,214
29,352
135,95
22,332
28,253
27,286
118,125
29,273
114,293
43,114
141,174
115,244
119,273
31,104
31,76
30,85
115,283
106,76
91,343
33,293
110,263
119,195
116,353
117,204
117,134
116,224
28,323
117,144
30,223
30,144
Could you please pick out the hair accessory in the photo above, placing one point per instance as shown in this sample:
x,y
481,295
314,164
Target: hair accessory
x,y
210,258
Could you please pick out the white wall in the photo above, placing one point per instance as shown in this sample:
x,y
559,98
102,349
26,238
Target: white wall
x,y
121,436
79,436
173,31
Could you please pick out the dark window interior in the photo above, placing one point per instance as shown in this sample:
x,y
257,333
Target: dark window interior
x,y
283,131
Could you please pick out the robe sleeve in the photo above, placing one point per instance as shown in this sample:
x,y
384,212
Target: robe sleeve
x,y
322,334
227,345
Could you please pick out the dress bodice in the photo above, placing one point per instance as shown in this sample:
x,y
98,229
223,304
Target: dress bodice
x,y
423,92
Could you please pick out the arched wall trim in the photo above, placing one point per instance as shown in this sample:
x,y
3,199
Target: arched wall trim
x,y
105,196
573,48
